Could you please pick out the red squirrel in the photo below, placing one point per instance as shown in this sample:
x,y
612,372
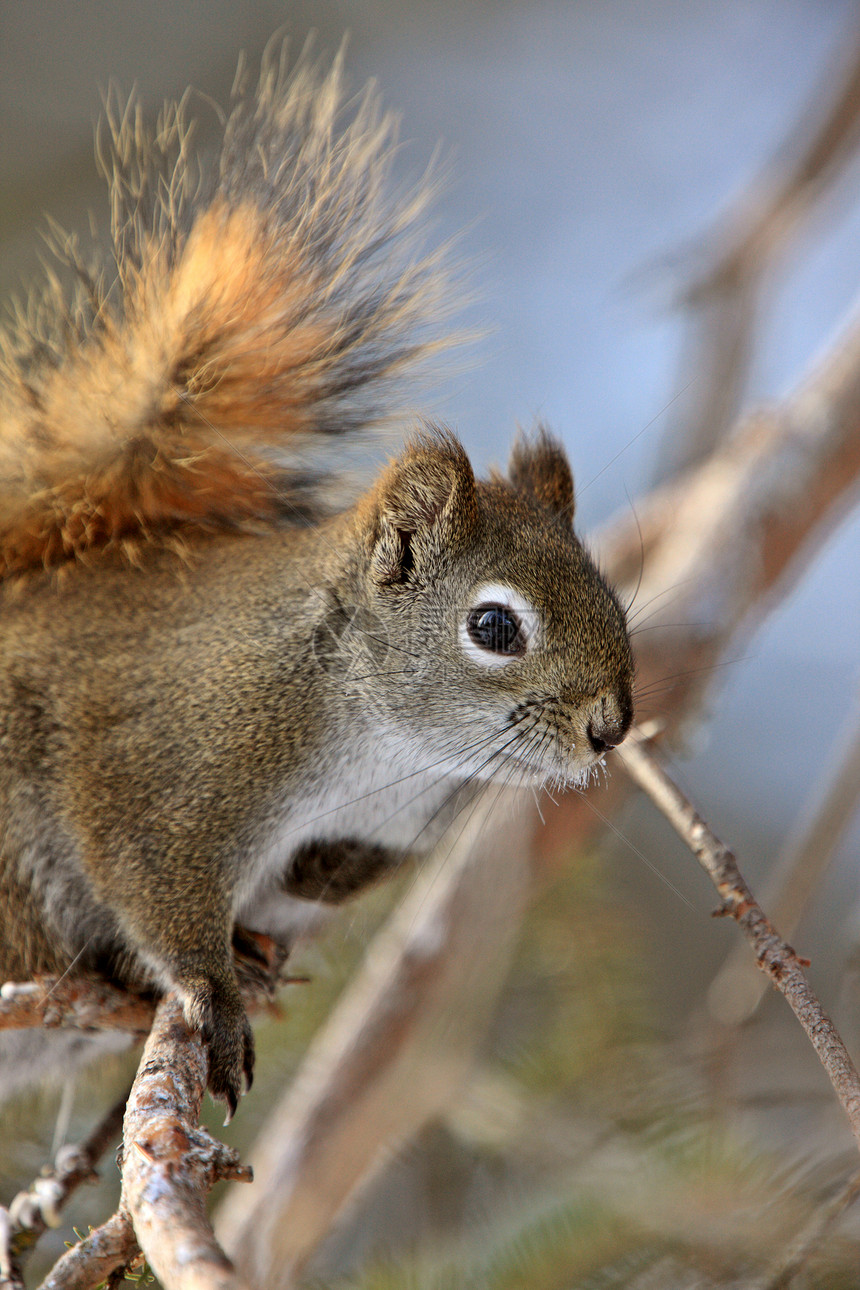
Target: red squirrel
x,y
217,692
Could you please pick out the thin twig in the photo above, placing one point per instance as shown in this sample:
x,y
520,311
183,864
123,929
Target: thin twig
x,y
736,990
38,1208
93,1259
776,958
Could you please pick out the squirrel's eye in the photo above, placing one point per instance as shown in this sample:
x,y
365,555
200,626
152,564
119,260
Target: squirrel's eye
x,y
495,628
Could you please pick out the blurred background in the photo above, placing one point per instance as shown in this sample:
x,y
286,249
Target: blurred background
x,y
592,146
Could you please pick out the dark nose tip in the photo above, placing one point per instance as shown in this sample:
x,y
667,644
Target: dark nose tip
x,y
608,723
605,740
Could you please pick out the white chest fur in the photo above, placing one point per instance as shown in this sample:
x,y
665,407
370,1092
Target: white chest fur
x,y
385,792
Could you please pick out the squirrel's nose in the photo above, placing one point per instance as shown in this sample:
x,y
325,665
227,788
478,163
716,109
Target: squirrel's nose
x,y
607,723
605,740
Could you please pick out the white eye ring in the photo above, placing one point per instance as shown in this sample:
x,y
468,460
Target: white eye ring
x,y
498,595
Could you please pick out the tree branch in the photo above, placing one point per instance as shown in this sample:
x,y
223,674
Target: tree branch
x,y
77,1002
725,296
170,1164
776,958
720,541
710,554
80,1001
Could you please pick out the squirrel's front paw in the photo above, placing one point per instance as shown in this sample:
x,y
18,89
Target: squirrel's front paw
x,y
219,1014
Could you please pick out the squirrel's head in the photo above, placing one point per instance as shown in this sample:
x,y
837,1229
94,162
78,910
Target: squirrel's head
x,y
494,642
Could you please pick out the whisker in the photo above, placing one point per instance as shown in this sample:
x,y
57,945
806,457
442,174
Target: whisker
x,y
393,783
86,945
638,435
658,595
637,588
460,787
663,684
403,806
375,676
636,851
500,786
659,627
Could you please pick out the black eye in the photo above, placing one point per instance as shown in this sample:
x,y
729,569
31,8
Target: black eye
x,y
497,629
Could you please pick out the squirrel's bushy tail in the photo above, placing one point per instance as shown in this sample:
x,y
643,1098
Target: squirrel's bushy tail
x,y
265,295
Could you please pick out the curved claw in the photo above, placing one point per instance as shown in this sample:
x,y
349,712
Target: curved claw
x,y
229,1040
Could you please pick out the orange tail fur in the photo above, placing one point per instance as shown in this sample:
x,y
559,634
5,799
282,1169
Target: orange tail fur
x,y
268,295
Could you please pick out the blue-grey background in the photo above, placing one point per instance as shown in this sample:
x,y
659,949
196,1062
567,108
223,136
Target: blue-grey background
x,y
589,142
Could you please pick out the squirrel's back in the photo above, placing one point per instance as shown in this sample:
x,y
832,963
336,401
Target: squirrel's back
x,y
267,293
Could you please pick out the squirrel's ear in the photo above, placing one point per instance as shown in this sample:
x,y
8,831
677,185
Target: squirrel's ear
x,y
539,467
426,506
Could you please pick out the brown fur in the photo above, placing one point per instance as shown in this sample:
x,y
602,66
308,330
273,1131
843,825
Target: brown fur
x,y
246,305
539,468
